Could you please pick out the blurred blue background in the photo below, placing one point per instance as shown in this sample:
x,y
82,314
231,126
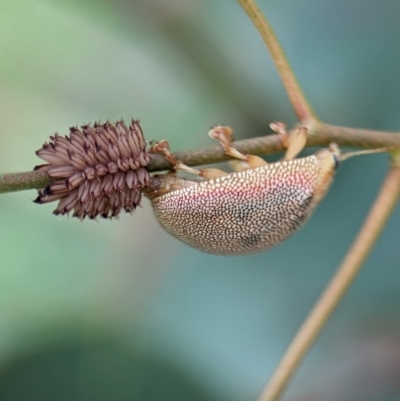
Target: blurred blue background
x,y
120,310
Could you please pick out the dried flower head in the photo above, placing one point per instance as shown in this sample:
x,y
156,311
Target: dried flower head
x,y
96,170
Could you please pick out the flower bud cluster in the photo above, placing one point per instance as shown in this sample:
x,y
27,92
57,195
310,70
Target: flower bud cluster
x,y
96,170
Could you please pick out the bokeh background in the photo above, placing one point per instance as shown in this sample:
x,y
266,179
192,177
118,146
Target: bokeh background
x,y
120,310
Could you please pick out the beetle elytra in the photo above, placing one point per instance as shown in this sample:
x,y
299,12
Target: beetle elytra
x,y
249,210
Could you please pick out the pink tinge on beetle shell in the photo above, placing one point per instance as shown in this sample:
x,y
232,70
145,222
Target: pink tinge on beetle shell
x,y
247,211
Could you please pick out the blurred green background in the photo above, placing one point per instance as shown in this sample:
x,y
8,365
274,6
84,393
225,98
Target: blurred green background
x,y
120,310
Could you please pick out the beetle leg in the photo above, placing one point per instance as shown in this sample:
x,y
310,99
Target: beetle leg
x,y
294,143
224,135
162,148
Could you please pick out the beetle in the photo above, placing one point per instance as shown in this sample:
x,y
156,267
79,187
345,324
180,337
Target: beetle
x,y
250,210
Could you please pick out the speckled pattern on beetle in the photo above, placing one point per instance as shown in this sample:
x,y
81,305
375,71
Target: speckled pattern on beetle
x,y
247,211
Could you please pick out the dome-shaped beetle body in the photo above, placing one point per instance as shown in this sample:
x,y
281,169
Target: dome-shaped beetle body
x,y
247,211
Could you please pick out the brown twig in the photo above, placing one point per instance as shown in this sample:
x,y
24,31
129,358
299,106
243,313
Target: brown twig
x,y
302,108
337,287
321,135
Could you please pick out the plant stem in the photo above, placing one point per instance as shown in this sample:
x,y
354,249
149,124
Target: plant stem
x,y
320,135
302,108
337,287
21,181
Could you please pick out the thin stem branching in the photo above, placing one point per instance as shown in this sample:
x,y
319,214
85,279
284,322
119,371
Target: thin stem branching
x,y
322,135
